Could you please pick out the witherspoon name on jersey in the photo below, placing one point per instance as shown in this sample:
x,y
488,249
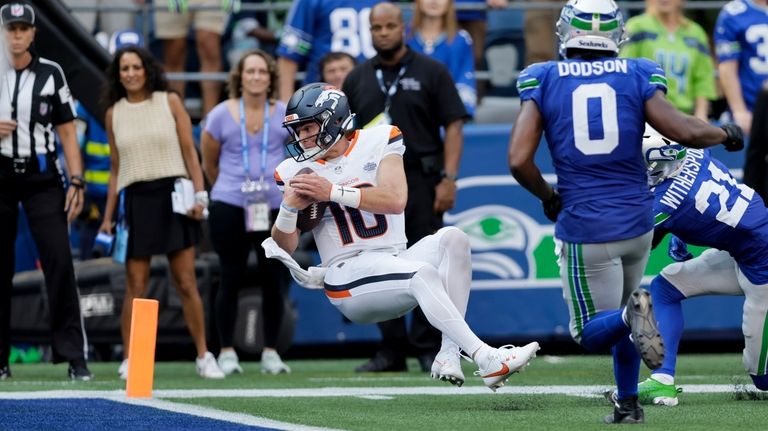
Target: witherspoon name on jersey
x,y
682,182
592,68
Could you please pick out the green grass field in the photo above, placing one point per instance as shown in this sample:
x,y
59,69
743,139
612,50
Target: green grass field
x,y
554,393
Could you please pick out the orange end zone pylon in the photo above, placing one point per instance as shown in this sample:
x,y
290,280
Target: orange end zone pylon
x,y
141,353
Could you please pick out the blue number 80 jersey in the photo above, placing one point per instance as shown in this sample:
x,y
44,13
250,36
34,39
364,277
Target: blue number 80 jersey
x,y
594,119
704,205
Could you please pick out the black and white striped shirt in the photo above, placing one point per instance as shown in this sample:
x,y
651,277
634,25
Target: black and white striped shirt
x,y
38,98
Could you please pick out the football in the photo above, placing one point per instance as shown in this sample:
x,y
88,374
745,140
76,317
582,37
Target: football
x,y
310,216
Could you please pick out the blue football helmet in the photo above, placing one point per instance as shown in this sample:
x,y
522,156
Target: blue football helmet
x,y
663,157
325,105
596,25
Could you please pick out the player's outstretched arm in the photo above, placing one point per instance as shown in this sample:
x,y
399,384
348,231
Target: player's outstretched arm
x,y
523,142
685,129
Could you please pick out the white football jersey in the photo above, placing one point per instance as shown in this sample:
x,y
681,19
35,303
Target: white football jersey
x,y
347,231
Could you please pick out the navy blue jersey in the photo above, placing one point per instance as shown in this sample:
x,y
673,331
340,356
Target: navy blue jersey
x,y
704,205
741,34
594,119
316,27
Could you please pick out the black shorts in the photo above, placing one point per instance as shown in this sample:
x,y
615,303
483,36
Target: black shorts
x,y
153,227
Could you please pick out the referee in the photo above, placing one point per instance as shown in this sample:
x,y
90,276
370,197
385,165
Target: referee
x,y
35,99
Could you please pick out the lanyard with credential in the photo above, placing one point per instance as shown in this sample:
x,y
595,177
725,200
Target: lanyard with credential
x,y
389,92
244,140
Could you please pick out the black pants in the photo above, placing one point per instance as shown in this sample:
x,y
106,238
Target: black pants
x,y
233,244
42,196
420,221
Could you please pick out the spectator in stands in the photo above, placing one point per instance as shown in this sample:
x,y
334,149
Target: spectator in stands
x,y
242,144
172,27
539,33
36,99
94,146
150,142
475,23
435,33
314,28
663,34
415,93
739,46
103,15
756,159
248,30
335,66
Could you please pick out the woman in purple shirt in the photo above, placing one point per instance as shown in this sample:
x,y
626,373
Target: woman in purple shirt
x,y
242,144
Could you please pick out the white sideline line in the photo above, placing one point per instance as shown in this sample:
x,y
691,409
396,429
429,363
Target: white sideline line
x,y
193,410
589,391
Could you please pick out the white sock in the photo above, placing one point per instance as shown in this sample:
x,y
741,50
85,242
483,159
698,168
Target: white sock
x,y
441,313
482,356
664,379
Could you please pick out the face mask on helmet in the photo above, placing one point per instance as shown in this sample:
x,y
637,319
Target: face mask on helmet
x,y
663,158
323,105
594,25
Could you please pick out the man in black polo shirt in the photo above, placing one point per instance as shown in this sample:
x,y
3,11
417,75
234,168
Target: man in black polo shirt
x,y
35,99
417,94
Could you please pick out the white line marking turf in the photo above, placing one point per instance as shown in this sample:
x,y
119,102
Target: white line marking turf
x,y
588,391
380,393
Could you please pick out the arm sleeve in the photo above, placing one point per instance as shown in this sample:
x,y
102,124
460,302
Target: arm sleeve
x,y
652,78
727,45
529,83
703,79
298,32
464,74
756,164
213,123
63,105
395,143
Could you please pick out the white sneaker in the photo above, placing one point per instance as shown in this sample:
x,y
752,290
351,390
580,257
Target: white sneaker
x,y
229,363
447,365
503,362
207,367
272,364
123,370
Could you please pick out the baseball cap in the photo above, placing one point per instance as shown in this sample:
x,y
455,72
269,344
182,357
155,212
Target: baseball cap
x,y
124,38
17,12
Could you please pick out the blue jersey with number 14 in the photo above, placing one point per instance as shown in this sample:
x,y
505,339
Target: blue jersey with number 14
x,y
594,119
704,205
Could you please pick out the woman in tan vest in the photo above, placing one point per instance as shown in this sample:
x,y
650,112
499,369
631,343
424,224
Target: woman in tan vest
x,y
150,138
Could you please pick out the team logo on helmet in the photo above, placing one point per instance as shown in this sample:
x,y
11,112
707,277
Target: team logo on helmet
x,y
333,95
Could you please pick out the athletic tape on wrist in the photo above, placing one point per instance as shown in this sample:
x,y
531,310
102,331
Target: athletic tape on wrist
x,y
286,219
347,196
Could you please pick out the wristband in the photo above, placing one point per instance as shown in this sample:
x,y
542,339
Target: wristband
x,y
286,219
347,196
202,198
77,181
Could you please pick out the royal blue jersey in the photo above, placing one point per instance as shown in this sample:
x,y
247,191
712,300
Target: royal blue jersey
x,y
457,56
316,27
704,205
594,120
741,34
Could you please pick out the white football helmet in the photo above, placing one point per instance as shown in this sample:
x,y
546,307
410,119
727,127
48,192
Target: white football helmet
x,y
596,25
663,157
